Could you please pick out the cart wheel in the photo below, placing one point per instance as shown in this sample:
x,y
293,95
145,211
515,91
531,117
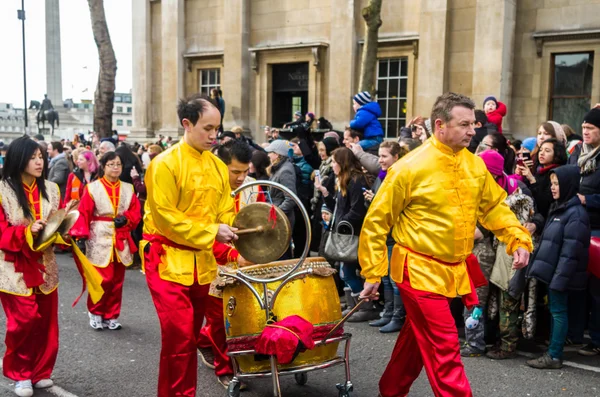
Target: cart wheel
x,y
233,390
301,378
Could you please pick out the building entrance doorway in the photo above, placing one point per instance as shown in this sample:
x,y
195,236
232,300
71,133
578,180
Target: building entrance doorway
x,y
290,92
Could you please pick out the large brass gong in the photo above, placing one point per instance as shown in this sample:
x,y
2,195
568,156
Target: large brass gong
x,y
265,232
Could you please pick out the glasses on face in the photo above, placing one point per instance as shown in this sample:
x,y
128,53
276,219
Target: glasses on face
x,y
114,165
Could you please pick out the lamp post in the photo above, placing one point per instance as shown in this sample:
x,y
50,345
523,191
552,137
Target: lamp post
x,y
21,16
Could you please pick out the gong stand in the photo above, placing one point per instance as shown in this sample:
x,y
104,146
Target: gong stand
x,y
267,303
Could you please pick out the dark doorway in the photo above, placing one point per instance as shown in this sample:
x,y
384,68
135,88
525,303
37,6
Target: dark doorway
x,y
290,92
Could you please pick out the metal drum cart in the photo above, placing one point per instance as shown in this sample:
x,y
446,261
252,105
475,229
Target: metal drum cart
x,y
255,295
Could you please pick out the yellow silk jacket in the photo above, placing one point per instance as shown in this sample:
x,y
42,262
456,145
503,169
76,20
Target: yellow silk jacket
x,y
188,196
433,198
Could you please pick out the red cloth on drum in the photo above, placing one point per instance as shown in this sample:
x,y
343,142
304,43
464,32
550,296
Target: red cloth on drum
x,y
281,339
113,277
180,312
31,335
428,339
594,260
212,335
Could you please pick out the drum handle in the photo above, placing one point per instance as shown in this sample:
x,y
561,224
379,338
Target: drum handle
x,y
306,221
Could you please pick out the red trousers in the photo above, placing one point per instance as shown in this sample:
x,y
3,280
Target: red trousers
x,y
212,335
113,277
429,339
31,335
181,311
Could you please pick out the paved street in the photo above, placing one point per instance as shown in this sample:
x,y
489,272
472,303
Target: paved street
x,y
125,363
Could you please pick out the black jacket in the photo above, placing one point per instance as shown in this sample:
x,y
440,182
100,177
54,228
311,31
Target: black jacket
x,y
561,257
480,133
590,188
351,207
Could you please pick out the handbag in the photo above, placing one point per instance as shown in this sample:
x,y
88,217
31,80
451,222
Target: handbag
x,y
340,247
594,260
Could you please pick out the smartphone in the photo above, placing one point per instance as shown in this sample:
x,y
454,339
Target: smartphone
x,y
318,175
526,156
364,189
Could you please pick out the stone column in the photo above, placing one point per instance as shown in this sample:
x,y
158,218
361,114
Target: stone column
x,y
432,63
342,51
173,46
142,70
235,80
53,54
494,43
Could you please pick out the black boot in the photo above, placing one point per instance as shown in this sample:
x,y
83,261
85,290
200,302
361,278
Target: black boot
x,y
398,317
388,310
350,303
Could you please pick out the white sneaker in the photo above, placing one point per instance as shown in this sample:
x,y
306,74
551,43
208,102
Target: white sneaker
x,y
112,325
43,384
95,322
23,388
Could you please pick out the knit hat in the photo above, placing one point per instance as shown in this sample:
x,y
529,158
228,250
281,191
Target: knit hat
x,y
560,133
330,144
279,146
332,134
311,115
490,98
493,161
298,113
592,117
529,143
325,208
362,98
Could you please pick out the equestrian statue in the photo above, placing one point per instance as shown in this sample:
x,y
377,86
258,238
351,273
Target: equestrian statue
x,y
46,113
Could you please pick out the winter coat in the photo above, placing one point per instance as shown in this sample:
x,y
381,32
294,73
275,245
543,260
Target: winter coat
x,y
305,169
366,120
496,116
59,172
284,174
562,254
590,188
351,207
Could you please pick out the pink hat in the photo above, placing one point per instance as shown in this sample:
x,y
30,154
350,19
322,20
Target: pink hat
x,y
493,161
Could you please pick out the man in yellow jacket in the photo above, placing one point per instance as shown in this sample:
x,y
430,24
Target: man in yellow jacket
x,y
432,198
189,207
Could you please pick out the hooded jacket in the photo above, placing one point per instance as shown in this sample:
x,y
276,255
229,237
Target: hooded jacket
x,y
366,120
561,257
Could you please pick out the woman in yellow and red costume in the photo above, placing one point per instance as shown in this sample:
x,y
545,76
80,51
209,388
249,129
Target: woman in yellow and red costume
x,y
109,211
28,273
433,198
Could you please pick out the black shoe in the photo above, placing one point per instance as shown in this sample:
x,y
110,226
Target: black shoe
x,y
545,362
470,351
589,350
207,357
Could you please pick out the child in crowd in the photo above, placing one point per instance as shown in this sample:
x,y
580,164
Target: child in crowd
x,y
495,111
561,258
326,216
306,169
366,120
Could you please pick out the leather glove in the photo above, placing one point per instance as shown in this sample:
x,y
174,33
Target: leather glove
x,y
120,221
81,245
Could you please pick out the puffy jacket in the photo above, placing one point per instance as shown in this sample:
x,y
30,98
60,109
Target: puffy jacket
x,y
366,120
561,257
496,116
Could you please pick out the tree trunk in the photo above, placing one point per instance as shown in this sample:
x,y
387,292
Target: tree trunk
x,y
105,90
372,16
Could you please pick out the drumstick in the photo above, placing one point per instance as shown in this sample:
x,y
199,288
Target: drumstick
x,y
259,229
342,321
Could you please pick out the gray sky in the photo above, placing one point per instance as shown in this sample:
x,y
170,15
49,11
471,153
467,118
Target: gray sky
x,y
79,52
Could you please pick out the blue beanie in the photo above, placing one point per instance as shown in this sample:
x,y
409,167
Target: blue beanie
x,y
362,98
529,143
490,98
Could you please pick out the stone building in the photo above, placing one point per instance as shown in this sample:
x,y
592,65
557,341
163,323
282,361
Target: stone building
x,y
271,57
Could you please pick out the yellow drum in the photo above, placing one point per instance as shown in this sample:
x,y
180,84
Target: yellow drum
x,y
313,297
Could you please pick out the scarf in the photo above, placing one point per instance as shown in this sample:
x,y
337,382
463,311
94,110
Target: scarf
x,y
587,159
382,174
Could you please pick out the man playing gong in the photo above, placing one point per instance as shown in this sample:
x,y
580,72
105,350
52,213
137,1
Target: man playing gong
x,y
432,199
189,207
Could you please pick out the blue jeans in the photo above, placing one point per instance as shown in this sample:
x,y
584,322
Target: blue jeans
x,y
349,276
558,302
369,143
388,283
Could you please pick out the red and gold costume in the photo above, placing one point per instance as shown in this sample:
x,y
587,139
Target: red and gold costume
x,y
28,283
212,335
432,198
188,196
108,248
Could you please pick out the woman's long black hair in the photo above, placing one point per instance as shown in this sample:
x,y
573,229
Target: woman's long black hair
x,y
18,155
500,143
